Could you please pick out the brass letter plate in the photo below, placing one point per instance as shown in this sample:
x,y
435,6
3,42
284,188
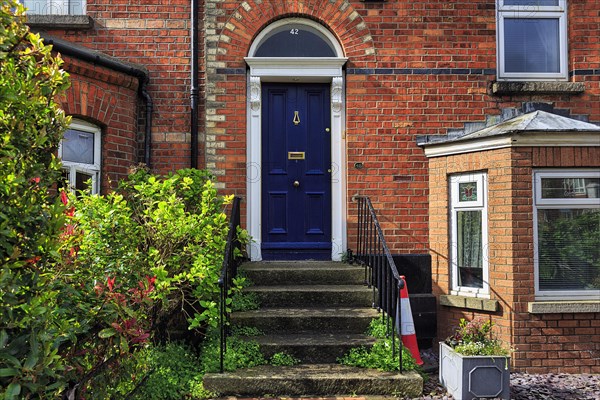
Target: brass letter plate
x,y
295,155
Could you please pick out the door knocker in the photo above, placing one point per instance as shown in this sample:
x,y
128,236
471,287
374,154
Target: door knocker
x,y
296,118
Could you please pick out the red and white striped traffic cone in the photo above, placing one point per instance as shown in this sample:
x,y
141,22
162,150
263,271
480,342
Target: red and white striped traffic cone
x,y
408,333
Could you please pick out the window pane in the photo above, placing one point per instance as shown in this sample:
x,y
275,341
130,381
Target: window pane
x,y
76,7
531,45
82,181
569,249
78,146
295,41
567,188
469,249
541,3
55,7
41,7
467,191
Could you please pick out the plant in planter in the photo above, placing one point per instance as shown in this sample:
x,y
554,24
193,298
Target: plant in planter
x,y
474,364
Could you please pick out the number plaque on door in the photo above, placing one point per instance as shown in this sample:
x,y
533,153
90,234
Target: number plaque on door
x,y
295,155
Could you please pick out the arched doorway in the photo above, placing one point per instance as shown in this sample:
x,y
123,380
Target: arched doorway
x,y
296,147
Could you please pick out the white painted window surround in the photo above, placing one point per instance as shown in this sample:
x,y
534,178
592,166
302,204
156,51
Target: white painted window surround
x,y
296,69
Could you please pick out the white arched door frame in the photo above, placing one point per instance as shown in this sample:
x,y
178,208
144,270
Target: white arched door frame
x,y
292,69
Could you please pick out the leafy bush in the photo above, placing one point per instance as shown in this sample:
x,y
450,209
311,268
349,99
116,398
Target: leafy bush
x,y
174,374
241,353
380,355
173,228
32,327
475,338
154,372
151,255
283,359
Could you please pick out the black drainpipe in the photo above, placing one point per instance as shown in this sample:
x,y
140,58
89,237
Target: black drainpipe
x,y
90,56
194,85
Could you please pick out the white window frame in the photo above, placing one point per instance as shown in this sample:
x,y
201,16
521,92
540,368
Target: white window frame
x,y
91,169
480,205
540,203
523,12
58,7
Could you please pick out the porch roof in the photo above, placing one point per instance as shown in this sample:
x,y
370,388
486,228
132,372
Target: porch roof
x,y
537,128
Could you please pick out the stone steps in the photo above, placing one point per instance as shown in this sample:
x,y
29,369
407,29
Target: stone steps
x,y
311,295
294,320
316,312
312,348
314,380
275,273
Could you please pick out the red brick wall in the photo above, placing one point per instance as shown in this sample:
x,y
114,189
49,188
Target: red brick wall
x,y
156,35
418,67
107,99
561,342
414,68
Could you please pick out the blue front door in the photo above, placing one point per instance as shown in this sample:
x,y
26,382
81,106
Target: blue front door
x,y
296,165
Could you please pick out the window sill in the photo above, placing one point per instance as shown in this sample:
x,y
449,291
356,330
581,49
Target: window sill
x,y
471,303
567,306
517,87
60,21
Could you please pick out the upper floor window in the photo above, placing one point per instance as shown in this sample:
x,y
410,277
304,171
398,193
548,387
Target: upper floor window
x,y
532,39
55,7
80,154
469,237
567,234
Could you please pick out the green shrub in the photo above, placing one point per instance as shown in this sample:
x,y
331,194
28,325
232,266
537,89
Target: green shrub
x,y
152,373
174,374
33,326
145,255
380,355
241,353
283,359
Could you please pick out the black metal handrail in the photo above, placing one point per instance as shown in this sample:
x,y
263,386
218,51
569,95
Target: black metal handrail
x,y
380,270
228,272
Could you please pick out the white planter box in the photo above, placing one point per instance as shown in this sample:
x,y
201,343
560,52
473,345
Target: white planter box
x,y
468,377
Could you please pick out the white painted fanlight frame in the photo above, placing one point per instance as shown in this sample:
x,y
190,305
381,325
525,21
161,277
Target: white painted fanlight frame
x,y
293,69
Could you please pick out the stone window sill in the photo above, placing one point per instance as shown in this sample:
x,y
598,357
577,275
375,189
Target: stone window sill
x,y
471,303
557,307
517,87
79,22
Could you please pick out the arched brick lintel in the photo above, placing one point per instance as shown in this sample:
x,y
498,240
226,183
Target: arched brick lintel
x,y
250,18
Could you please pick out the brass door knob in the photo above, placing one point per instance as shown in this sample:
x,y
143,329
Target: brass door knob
x,y
296,183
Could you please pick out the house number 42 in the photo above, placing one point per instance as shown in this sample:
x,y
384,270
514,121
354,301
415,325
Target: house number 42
x,y
293,31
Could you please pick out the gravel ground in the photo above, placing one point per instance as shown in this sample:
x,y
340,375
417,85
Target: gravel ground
x,y
526,386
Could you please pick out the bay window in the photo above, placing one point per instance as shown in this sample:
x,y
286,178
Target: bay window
x,y
532,39
469,238
567,234
79,151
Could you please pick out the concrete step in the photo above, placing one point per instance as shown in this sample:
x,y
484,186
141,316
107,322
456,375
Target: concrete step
x,y
316,320
313,380
312,295
312,348
273,273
